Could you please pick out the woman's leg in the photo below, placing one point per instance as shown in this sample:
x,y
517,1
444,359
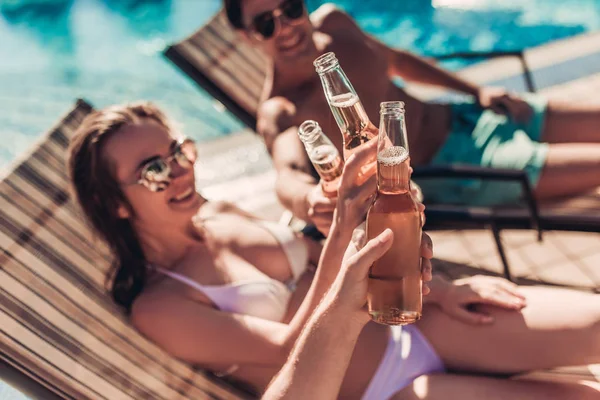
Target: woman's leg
x,y
464,387
558,327
570,168
571,123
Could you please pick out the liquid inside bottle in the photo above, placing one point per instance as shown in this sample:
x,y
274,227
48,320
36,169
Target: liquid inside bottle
x,y
348,111
395,285
323,156
353,122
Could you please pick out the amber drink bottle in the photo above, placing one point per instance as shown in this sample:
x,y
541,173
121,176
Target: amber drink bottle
x,y
323,155
345,105
395,285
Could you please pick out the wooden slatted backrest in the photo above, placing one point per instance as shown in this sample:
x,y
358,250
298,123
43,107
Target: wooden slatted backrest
x,y
57,323
218,59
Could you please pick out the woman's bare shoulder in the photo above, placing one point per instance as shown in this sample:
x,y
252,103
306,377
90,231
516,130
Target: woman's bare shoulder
x,y
214,208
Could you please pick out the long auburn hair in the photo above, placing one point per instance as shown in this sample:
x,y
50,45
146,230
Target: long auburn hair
x,y
100,195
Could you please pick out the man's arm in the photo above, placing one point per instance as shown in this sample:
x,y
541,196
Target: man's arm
x,y
413,68
281,138
406,65
318,363
294,181
335,325
296,188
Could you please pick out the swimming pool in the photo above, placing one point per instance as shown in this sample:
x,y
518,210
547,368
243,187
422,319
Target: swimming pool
x,y
108,51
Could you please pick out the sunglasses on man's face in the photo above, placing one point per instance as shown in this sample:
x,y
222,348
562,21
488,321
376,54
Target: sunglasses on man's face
x,y
156,173
265,24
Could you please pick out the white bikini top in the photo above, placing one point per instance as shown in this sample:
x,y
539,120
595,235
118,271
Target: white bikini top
x,y
266,298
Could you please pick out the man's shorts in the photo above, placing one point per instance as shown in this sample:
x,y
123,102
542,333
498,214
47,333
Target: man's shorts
x,y
483,138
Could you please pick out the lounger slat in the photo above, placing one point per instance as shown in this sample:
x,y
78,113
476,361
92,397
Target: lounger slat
x,y
27,268
65,232
59,359
79,292
47,237
45,173
243,92
28,191
79,296
582,210
104,340
49,160
98,357
27,241
225,59
220,51
82,298
42,371
225,45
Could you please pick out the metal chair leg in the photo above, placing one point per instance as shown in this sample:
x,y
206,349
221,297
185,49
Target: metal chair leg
x,y
500,247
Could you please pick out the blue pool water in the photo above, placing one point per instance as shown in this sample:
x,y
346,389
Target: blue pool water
x,y
107,51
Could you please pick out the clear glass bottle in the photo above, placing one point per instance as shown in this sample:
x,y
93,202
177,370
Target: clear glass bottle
x,y
323,155
395,284
349,113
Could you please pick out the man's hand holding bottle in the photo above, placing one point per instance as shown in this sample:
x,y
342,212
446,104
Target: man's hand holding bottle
x,y
320,209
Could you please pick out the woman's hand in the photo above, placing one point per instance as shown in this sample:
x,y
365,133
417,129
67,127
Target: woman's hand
x,y
332,329
462,296
359,239
349,291
357,188
502,102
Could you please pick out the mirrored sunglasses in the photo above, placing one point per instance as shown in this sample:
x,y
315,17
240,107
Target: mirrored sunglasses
x,y
156,173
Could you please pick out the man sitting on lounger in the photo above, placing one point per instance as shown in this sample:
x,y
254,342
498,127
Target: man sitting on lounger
x,y
557,144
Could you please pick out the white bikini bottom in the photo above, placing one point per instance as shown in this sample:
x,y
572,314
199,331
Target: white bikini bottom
x,y
408,355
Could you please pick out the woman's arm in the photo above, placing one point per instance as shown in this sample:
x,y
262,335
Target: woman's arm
x,y
314,247
296,188
332,330
202,335
318,363
335,325
352,206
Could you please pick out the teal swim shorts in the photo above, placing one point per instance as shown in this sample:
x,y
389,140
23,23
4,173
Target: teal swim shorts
x,y
483,138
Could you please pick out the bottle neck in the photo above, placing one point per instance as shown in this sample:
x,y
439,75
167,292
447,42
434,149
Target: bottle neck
x,y
350,116
318,141
393,171
336,84
348,111
393,160
309,133
312,136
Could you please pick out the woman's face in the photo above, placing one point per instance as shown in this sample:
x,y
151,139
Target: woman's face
x,y
292,36
128,150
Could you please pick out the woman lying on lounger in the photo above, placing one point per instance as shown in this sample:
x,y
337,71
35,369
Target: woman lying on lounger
x,y
220,289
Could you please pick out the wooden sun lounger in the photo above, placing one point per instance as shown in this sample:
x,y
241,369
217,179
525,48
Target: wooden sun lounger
x,y
61,336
